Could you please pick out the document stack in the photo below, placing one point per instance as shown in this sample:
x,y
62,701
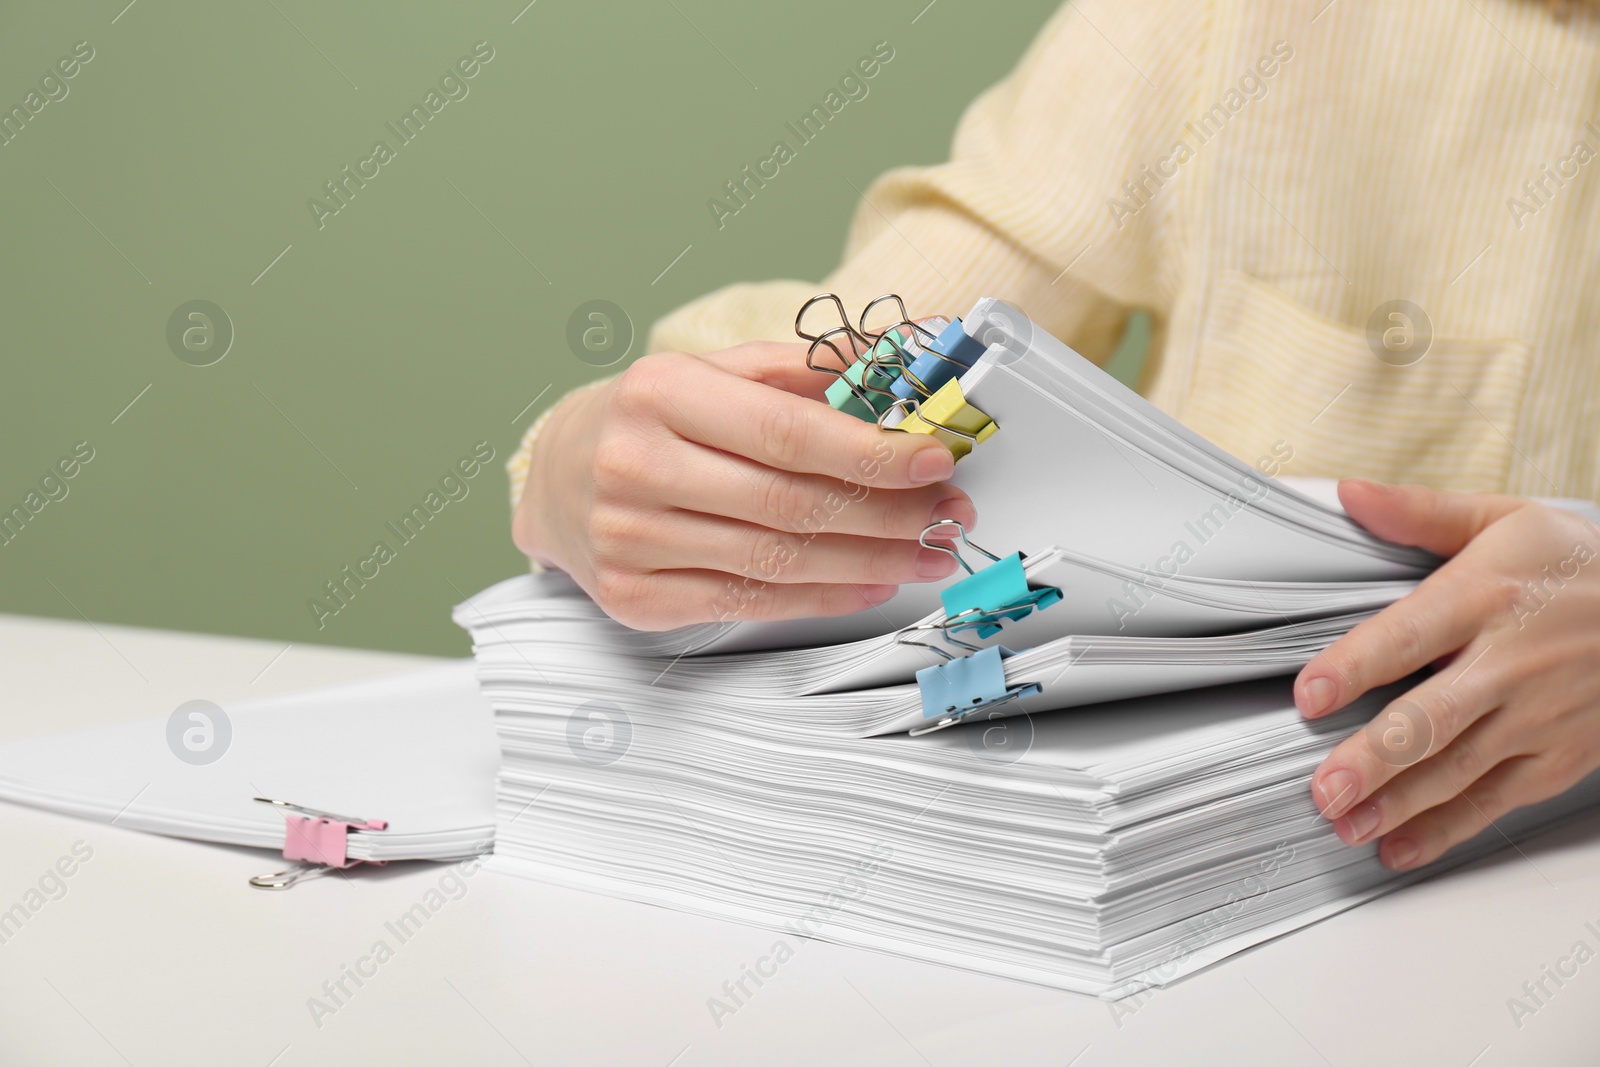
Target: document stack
x,y
1077,762
411,756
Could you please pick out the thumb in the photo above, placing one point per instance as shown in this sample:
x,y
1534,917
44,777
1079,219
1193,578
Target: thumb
x,y
1440,522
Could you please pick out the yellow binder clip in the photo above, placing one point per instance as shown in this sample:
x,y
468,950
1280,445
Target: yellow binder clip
x,y
947,416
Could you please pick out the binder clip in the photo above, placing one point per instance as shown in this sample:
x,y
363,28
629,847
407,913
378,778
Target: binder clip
x,y
944,358
870,361
963,686
844,394
844,322
947,416
318,840
899,348
984,599
863,389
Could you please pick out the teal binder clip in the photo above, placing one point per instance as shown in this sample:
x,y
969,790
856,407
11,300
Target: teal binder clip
x,y
962,687
870,361
985,599
864,389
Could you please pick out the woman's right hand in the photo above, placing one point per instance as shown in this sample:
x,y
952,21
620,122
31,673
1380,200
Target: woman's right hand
x,y
699,489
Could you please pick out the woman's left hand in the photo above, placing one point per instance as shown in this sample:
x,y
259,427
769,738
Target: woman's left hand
x,y
1512,717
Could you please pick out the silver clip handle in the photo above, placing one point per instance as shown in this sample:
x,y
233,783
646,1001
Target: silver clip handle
x,y
310,812
290,877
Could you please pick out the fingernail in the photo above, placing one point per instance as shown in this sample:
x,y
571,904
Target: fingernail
x,y
1338,791
932,465
878,594
1401,853
1320,695
958,508
1358,825
932,563
1371,486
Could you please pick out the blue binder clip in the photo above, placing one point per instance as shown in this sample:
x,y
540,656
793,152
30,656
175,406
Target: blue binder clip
x,y
943,357
985,599
963,686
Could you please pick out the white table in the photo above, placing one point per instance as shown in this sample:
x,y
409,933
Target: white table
x,y
159,954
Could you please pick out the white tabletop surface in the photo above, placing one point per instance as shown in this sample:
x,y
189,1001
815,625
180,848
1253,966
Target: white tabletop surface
x,y
158,953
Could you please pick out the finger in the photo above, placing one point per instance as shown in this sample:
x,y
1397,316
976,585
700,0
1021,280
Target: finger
x,y
665,600
683,540
778,429
779,364
1517,782
1440,522
1435,619
1406,732
716,483
1433,781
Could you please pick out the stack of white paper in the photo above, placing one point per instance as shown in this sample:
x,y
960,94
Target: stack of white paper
x,y
413,750
766,771
1101,849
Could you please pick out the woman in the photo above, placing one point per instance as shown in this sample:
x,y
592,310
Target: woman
x,y
1367,231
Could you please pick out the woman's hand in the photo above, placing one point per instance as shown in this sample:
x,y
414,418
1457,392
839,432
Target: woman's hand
x,y
695,489
1513,716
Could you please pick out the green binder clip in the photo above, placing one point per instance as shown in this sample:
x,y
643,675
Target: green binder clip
x,y
863,389
985,599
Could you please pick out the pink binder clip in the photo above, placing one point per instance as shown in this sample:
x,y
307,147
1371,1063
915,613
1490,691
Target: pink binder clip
x,y
318,840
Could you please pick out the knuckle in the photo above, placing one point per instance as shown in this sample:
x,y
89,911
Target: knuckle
x,y
624,596
1445,709
1489,802
781,433
633,392
1563,768
1398,737
784,502
1409,640
727,599
887,561
841,600
613,534
638,387
756,602
750,350
902,514
753,555
1462,765
619,460
659,367
1501,593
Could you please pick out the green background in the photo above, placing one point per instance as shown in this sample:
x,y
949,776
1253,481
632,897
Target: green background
x,y
426,315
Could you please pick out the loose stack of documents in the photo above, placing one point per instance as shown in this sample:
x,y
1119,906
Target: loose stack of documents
x,y
1076,762
414,752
